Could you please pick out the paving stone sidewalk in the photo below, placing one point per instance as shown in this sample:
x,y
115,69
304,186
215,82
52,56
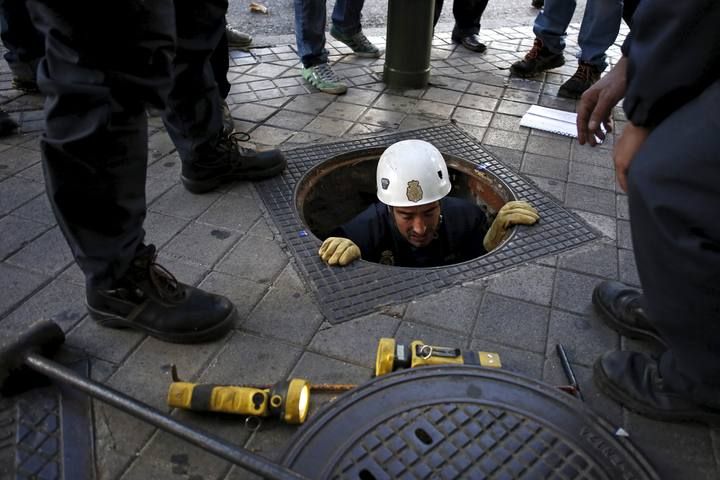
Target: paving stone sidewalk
x,y
228,243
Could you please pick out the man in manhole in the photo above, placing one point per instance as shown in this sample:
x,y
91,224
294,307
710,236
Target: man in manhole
x,y
415,223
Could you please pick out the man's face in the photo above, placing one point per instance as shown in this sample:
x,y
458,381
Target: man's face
x,y
417,225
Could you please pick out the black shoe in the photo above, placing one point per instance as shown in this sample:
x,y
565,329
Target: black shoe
x,y
538,3
621,309
227,162
537,60
584,77
633,380
148,298
7,124
470,41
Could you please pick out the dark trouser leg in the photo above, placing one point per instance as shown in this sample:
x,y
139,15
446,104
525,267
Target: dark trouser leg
x,y
24,42
467,15
221,64
96,75
674,205
194,112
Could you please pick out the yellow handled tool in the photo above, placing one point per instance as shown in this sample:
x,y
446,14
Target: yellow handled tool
x,y
288,400
392,356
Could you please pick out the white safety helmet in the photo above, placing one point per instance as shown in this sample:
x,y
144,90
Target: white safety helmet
x,y
411,173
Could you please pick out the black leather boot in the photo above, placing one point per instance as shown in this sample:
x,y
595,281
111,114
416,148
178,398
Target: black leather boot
x,y
621,309
227,162
633,379
148,298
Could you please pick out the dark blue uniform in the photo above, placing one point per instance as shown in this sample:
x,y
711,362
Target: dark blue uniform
x,y
673,88
460,236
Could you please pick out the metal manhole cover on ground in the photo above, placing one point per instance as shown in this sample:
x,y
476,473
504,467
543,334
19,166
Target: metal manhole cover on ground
x,y
358,289
461,422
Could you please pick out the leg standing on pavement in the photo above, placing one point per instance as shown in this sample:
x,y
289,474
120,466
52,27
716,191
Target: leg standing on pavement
x,y
98,77
467,14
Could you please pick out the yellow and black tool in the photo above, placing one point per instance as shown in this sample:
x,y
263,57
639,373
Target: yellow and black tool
x,y
393,356
288,400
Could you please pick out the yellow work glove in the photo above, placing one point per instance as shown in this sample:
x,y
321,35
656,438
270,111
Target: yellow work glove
x,y
339,251
512,213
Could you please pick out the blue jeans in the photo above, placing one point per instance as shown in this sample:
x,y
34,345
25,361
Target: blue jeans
x,y
310,26
598,31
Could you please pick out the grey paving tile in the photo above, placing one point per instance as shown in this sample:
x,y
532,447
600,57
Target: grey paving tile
x,y
434,109
328,126
384,118
666,444
623,208
408,332
624,235
549,146
160,228
254,258
38,210
245,294
628,267
585,339
290,120
486,90
592,155
598,259
270,136
17,233
287,312
513,360
232,212
354,341
15,159
167,456
503,138
111,345
442,95
16,191
511,158
591,199
479,102
512,322
522,96
509,107
179,202
604,224
343,111
453,309
312,104
556,188
397,103
34,256
359,96
472,117
573,291
270,443
18,283
252,112
58,301
532,283
200,244
545,166
507,122
412,122
599,177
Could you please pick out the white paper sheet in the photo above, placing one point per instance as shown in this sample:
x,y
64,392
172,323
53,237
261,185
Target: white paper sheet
x,y
550,120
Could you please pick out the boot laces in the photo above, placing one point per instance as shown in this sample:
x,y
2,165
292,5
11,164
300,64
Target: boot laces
x,y
583,73
229,143
535,50
162,281
326,73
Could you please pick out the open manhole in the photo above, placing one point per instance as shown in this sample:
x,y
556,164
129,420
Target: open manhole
x,y
347,292
461,422
333,192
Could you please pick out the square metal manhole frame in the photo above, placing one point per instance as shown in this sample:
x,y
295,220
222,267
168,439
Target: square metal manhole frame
x,y
344,293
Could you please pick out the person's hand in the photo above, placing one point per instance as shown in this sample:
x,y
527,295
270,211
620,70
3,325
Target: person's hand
x,y
512,213
627,146
596,104
339,251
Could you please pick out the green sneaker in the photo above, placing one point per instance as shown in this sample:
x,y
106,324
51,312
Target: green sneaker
x,y
359,43
324,79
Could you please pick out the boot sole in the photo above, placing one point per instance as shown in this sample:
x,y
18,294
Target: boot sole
x,y
204,186
629,332
609,389
216,331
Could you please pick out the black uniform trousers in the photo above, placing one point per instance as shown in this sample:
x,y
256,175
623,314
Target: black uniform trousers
x,y
104,62
674,196
24,43
467,15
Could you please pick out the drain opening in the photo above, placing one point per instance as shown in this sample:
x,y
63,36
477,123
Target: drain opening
x,y
366,475
335,191
423,436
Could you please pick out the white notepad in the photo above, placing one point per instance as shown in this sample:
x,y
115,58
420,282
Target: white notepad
x,y
550,120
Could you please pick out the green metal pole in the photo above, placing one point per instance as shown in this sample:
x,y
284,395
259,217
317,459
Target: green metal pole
x,y
409,40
